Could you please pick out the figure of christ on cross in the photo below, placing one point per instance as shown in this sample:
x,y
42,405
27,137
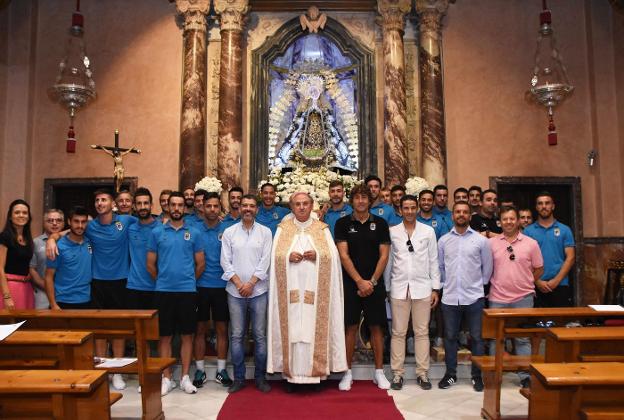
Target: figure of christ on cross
x,y
117,153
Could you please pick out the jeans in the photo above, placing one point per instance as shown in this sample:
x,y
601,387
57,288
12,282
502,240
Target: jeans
x,y
522,344
453,315
257,307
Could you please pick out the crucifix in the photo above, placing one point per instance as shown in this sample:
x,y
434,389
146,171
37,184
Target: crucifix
x,y
117,154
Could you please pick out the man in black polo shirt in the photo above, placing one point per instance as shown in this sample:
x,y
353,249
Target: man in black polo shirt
x,y
486,221
363,241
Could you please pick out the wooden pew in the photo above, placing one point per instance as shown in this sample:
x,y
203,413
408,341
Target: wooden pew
x,y
507,322
565,390
65,349
58,394
584,344
138,325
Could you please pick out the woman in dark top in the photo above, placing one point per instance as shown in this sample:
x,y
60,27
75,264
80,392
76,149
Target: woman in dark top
x,y
16,250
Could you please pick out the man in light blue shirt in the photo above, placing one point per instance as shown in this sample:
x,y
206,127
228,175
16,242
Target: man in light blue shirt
x,y
556,242
268,214
440,198
234,200
378,207
465,259
245,258
426,216
337,207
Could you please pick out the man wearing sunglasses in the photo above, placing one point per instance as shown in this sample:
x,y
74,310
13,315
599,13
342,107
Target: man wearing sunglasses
x,y
53,222
414,286
518,265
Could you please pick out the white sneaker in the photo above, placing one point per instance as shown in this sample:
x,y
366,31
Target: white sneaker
x,y
381,380
139,389
187,386
346,381
166,386
118,383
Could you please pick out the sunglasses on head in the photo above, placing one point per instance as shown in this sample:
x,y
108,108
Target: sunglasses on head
x,y
512,256
410,247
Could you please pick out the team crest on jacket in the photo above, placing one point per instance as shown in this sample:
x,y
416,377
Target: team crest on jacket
x,y
556,231
434,223
343,213
373,226
89,249
119,225
187,236
275,215
380,212
498,223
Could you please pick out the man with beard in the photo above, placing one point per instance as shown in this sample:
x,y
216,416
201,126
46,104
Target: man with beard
x,y
460,194
465,259
557,245
53,222
140,283
196,215
396,193
189,202
440,201
68,276
474,198
426,215
378,206
211,294
245,258
163,199
269,214
486,221
108,234
518,265
234,199
175,259
337,207
306,320
123,200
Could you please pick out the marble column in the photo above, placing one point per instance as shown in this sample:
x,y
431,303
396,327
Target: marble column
x,y
231,16
430,14
396,169
193,114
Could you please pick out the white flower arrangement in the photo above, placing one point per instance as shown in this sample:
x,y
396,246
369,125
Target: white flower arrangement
x,y
414,185
210,184
313,181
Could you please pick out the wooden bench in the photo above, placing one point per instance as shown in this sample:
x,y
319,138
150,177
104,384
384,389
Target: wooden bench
x,y
585,344
138,325
602,413
58,394
562,390
500,323
63,349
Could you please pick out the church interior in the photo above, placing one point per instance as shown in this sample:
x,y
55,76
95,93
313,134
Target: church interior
x,y
438,89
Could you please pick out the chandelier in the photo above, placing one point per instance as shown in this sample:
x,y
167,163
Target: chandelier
x,y
74,87
549,84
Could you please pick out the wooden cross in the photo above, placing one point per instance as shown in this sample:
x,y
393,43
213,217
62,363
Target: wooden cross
x,y
117,154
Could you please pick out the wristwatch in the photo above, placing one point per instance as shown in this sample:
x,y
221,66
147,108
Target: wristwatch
x,y
373,280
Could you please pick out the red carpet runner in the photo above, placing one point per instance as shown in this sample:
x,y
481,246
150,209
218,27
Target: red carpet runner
x,y
364,401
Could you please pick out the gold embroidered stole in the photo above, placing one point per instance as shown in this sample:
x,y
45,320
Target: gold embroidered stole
x,y
315,230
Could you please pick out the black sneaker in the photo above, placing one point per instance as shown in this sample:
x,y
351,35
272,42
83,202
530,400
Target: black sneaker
x,y
424,382
236,386
397,383
200,378
526,383
262,385
477,383
222,378
447,381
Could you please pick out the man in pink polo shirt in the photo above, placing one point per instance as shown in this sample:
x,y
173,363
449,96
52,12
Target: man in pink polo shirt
x,y
518,263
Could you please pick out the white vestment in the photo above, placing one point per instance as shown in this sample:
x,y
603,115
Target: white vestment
x,y
305,334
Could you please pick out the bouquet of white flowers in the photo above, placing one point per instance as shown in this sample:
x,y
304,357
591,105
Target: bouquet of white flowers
x,y
415,185
313,181
210,184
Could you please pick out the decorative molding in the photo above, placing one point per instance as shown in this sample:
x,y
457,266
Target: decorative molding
x,y
302,5
313,20
194,13
430,13
393,14
604,240
231,14
275,46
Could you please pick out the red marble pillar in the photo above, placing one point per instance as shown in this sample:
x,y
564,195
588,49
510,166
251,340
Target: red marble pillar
x,y
395,123
432,92
231,14
193,113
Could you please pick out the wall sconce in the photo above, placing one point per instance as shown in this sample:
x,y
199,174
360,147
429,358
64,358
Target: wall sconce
x,y
591,158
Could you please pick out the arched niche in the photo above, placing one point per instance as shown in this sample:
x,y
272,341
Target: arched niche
x,y
276,46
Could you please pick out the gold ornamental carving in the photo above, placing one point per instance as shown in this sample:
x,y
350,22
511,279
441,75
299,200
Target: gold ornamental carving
x,y
194,13
231,13
430,14
393,13
313,20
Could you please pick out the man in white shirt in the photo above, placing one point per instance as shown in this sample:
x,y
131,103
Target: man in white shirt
x,y
414,285
245,259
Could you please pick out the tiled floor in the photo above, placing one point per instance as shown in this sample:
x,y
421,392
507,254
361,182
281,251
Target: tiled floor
x,y
458,402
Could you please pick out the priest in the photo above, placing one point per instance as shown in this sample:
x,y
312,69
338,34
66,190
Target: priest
x,y
306,321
